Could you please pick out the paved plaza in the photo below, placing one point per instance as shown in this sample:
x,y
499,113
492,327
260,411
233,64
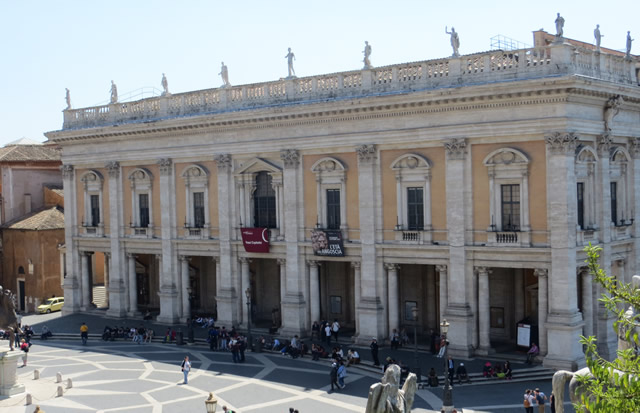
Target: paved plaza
x,y
124,377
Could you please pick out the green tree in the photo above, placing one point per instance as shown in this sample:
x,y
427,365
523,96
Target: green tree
x,y
615,385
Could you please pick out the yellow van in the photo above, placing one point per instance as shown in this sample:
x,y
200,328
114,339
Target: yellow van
x,y
52,304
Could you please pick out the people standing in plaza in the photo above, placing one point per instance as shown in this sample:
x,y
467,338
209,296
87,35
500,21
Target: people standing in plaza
x,y
24,346
451,368
374,352
342,373
315,331
508,373
84,333
186,368
528,402
335,329
327,333
395,339
333,375
541,399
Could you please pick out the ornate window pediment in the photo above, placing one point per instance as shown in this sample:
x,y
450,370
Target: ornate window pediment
x,y
196,183
331,194
257,165
413,197
93,183
141,180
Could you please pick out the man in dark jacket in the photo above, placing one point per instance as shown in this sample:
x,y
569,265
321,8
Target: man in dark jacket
x,y
374,351
333,374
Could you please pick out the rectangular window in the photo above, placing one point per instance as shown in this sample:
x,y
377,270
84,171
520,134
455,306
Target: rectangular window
x,y
333,209
415,209
143,206
95,210
198,209
614,202
510,207
580,193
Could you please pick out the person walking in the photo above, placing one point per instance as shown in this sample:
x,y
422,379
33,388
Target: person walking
x,y
342,373
186,368
84,333
333,375
24,346
374,351
451,369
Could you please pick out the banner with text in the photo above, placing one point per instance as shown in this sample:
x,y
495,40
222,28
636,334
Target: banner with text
x,y
255,239
327,243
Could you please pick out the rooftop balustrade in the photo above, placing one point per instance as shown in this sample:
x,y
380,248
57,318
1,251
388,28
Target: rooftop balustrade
x,y
487,67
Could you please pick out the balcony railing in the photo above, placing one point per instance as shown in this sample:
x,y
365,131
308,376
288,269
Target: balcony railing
x,y
491,66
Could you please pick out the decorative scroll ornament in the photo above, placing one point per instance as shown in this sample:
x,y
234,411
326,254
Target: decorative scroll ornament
x,y
224,161
366,153
562,142
67,171
604,143
290,157
483,270
540,272
456,148
634,147
165,165
114,168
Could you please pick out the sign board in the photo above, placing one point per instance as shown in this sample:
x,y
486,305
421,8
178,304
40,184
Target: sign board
x,y
524,335
327,243
255,239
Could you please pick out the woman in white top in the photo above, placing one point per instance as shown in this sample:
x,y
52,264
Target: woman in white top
x,y
186,367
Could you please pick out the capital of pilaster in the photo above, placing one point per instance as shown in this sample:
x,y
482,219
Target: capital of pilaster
x,y
483,270
456,148
390,266
113,167
313,263
604,143
541,272
634,147
561,142
290,157
356,264
165,165
366,153
442,269
582,270
183,258
281,261
621,262
216,259
67,171
223,160
244,260
131,255
107,255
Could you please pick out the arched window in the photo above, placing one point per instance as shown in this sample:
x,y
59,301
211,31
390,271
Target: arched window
x,y
93,217
21,270
586,159
264,201
141,206
619,176
196,183
413,194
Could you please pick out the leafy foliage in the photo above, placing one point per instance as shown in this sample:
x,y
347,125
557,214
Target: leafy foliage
x,y
615,385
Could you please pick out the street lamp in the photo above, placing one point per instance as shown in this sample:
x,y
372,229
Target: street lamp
x,y
211,403
247,294
447,399
414,310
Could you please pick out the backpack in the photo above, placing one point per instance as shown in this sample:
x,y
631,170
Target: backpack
x,y
526,403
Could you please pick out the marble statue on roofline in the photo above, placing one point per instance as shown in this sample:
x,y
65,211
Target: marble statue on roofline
x,y
598,36
67,98
629,41
455,40
114,92
290,58
224,72
165,86
367,54
559,26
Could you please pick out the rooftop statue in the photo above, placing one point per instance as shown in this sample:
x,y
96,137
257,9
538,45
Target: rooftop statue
x,y
114,92
387,397
598,36
67,98
455,40
290,58
367,54
224,72
165,86
559,26
629,41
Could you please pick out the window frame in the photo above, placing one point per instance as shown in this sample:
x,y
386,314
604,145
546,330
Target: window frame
x,y
141,183
412,170
417,215
196,179
330,174
333,208
93,185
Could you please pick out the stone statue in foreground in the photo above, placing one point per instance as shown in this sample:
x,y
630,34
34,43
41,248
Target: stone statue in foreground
x,y
455,40
387,397
8,318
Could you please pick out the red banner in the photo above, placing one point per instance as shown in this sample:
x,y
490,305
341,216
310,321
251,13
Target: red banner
x,y
255,239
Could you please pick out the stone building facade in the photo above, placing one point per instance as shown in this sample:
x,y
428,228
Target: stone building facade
x,y
466,187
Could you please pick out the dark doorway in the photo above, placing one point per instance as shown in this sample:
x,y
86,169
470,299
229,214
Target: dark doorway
x,y
21,295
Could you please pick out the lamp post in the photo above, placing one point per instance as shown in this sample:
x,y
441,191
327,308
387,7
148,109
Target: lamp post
x,y
447,399
414,310
247,294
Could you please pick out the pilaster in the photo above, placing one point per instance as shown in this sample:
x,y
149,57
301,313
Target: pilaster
x,y
393,303
71,286
116,292
484,311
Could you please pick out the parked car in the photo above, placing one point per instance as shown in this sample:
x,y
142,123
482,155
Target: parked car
x,y
52,304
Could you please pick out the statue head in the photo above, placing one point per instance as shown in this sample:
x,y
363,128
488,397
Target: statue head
x,y
392,377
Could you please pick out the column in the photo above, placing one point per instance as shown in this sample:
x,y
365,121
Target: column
x,y
294,306
133,285
427,202
184,273
518,293
484,311
563,325
525,201
246,283
116,291
282,265
543,300
72,282
370,306
431,297
393,304
227,269
357,287
634,146
107,257
587,300
314,290
86,283
442,271
458,310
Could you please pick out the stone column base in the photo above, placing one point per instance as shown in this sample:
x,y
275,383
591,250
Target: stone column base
x,y
8,373
370,320
168,307
564,330
484,351
226,303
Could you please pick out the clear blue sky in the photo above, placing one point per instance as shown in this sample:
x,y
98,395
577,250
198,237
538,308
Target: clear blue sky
x,y
83,45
